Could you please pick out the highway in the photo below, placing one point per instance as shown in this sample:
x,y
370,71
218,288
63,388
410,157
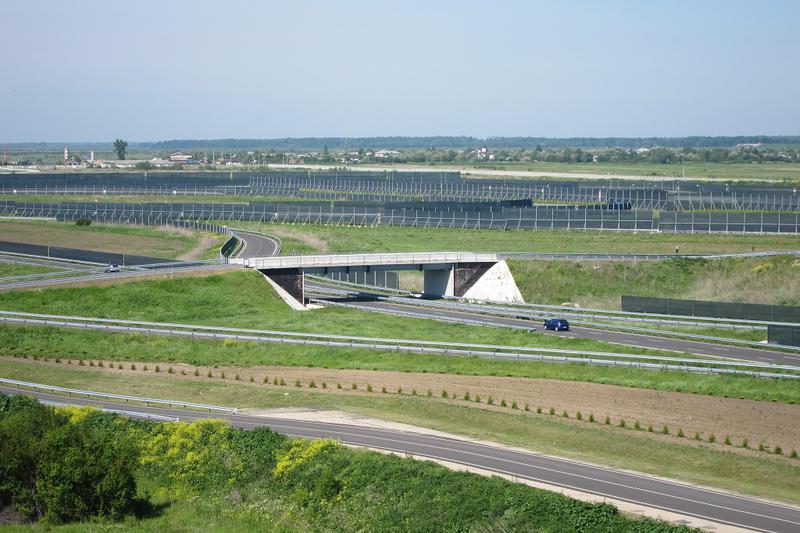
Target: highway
x,y
640,490
619,337
257,245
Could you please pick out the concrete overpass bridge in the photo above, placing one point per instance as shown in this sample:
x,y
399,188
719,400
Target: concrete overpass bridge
x,y
478,276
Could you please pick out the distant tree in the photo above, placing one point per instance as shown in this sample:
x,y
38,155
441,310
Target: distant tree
x,y
143,165
120,146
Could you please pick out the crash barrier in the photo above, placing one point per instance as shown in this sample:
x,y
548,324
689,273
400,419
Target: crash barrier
x,y
781,334
741,311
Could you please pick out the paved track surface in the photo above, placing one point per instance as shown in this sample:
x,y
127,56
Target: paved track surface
x,y
257,245
625,486
632,339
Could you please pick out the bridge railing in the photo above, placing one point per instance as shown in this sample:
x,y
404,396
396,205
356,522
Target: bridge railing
x,y
338,260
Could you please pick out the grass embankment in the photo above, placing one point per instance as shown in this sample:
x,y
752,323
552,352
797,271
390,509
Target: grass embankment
x,y
167,243
256,480
335,239
770,280
218,300
759,474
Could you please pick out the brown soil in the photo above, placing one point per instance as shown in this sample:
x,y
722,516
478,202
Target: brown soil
x,y
757,421
205,242
313,241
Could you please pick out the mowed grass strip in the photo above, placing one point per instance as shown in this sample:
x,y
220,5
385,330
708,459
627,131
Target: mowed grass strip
x,y
748,475
17,269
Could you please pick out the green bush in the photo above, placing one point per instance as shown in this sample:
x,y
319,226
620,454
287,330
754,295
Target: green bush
x,y
83,222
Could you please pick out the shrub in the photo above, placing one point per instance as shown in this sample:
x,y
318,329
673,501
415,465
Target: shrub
x,y
712,438
144,368
466,396
539,409
369,388
158,369
778,450
527,407
324,385
514,405
503,403
637,426
429,394
696,435
727,440
399,390
680,433
591,417
552,411
209,374
283,382
607,421
354,386
383,389
297,382
665,430
565,414
91,363
621,423
237,377
265,381
100,364
222,375
490,401
119,366
338,385
444,394
745,444
133,366
793,455
197,373
170,370
578,416
761,447
477,398
413,392
312,384
58,360
83,221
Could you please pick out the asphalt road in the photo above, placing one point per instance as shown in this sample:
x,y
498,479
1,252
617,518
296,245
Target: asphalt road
x,y
619,337
257,245
629,487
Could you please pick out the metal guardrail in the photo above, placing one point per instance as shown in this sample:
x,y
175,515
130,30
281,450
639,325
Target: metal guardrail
x,y
110,396
414,346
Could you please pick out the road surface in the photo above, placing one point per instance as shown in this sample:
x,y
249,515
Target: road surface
x,y
636,489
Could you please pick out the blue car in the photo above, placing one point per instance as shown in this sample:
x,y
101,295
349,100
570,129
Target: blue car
x,y
556,324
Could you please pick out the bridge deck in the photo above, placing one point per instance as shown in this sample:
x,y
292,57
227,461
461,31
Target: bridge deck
x,y
398,260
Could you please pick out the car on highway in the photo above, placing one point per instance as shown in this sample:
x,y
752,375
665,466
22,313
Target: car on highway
x,y
556,324
111,268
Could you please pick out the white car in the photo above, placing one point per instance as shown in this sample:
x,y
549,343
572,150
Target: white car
x,y
111,268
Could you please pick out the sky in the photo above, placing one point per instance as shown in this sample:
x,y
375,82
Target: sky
x,y
88,70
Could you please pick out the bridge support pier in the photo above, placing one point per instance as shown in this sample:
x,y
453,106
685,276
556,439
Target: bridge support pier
x,y
290,285
477,281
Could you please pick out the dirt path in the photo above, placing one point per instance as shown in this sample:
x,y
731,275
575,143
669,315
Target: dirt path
x,y
313,241
205,242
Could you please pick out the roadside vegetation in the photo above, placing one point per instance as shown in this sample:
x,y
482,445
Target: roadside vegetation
x,y
309,238
162,242
119,468
18,269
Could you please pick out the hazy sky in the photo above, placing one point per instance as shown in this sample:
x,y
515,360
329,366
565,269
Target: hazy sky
x,y
90,70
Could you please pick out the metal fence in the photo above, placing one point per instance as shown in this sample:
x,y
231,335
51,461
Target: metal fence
x,y
386,279
786,335
742,311
728,222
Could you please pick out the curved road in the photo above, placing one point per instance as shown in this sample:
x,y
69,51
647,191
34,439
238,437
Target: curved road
x,y
257,245
646,491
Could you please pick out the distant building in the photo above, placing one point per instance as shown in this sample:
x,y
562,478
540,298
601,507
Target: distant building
x,y
180,157
383,154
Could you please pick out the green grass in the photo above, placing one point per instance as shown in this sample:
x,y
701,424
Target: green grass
x,y
336,239
773,280
759,476
789,172
16,269
217,300
144,198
